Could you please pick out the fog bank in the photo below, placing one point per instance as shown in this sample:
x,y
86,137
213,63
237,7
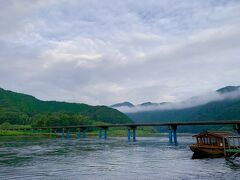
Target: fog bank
x,y
192,102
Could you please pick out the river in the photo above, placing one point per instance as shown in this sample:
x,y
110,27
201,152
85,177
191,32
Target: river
x,y
148,158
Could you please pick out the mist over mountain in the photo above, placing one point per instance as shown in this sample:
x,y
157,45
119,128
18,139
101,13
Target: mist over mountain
x,y
129,105
226,93
123,104
223,104
228,89
149,104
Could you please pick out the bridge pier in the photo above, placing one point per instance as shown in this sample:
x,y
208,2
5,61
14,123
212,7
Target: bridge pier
x,y
175,137
133,128
174,127
134,134
105,133
173,134
129,134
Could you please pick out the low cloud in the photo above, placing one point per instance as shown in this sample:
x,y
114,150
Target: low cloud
x,y
192,102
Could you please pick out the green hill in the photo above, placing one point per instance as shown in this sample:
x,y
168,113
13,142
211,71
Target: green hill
x,y
127,104
17,108
228,89
224,109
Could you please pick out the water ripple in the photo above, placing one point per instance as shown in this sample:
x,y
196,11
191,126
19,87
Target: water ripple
x,y
149,158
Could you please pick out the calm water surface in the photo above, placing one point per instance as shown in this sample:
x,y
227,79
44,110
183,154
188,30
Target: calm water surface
x,y
149,158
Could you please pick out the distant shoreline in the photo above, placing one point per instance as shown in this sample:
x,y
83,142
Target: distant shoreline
x,y
4,133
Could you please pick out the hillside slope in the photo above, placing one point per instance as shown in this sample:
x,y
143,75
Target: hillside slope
x,y
17,108
224,109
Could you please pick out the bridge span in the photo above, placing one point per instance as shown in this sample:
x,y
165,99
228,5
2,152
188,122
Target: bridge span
x,y
172,126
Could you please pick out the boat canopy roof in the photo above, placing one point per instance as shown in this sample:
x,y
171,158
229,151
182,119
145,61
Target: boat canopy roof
x,y
213,134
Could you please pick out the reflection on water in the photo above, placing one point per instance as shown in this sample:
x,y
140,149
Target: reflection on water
x,y
148,158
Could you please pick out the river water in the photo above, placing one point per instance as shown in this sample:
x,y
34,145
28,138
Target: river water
x,y
148,158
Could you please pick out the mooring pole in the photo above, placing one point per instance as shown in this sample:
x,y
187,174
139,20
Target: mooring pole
x,y
129,134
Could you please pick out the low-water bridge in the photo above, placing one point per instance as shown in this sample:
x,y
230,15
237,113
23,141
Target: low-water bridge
x,y
172,126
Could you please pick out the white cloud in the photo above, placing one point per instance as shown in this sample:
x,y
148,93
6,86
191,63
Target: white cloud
x,y
101,52
70,51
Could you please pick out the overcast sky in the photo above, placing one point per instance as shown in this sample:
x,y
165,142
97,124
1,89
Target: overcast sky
x,y
104,52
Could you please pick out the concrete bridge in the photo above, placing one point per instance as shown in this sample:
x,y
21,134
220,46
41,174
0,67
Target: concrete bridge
x,y
172,126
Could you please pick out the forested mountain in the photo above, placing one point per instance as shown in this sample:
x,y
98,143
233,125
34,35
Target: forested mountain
x,y
17,108
228,89
130,105
125,104
225,107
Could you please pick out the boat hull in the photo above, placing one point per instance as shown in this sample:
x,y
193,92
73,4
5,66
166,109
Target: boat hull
x,y
201,151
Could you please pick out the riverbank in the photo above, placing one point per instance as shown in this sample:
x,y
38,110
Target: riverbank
x,y
116,132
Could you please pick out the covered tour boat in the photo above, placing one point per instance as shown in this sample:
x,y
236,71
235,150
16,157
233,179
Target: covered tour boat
x,y
209,144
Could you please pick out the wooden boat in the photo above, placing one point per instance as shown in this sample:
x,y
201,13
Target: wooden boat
x,y
209,144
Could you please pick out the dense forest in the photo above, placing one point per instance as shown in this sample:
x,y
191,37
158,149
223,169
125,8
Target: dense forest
x,y
21,109
225,109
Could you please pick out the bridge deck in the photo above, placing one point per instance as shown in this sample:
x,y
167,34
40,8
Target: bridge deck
x,y
134,125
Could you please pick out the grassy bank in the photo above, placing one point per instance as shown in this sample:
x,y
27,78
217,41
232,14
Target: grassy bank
x,y
26,133
112,132
122,132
